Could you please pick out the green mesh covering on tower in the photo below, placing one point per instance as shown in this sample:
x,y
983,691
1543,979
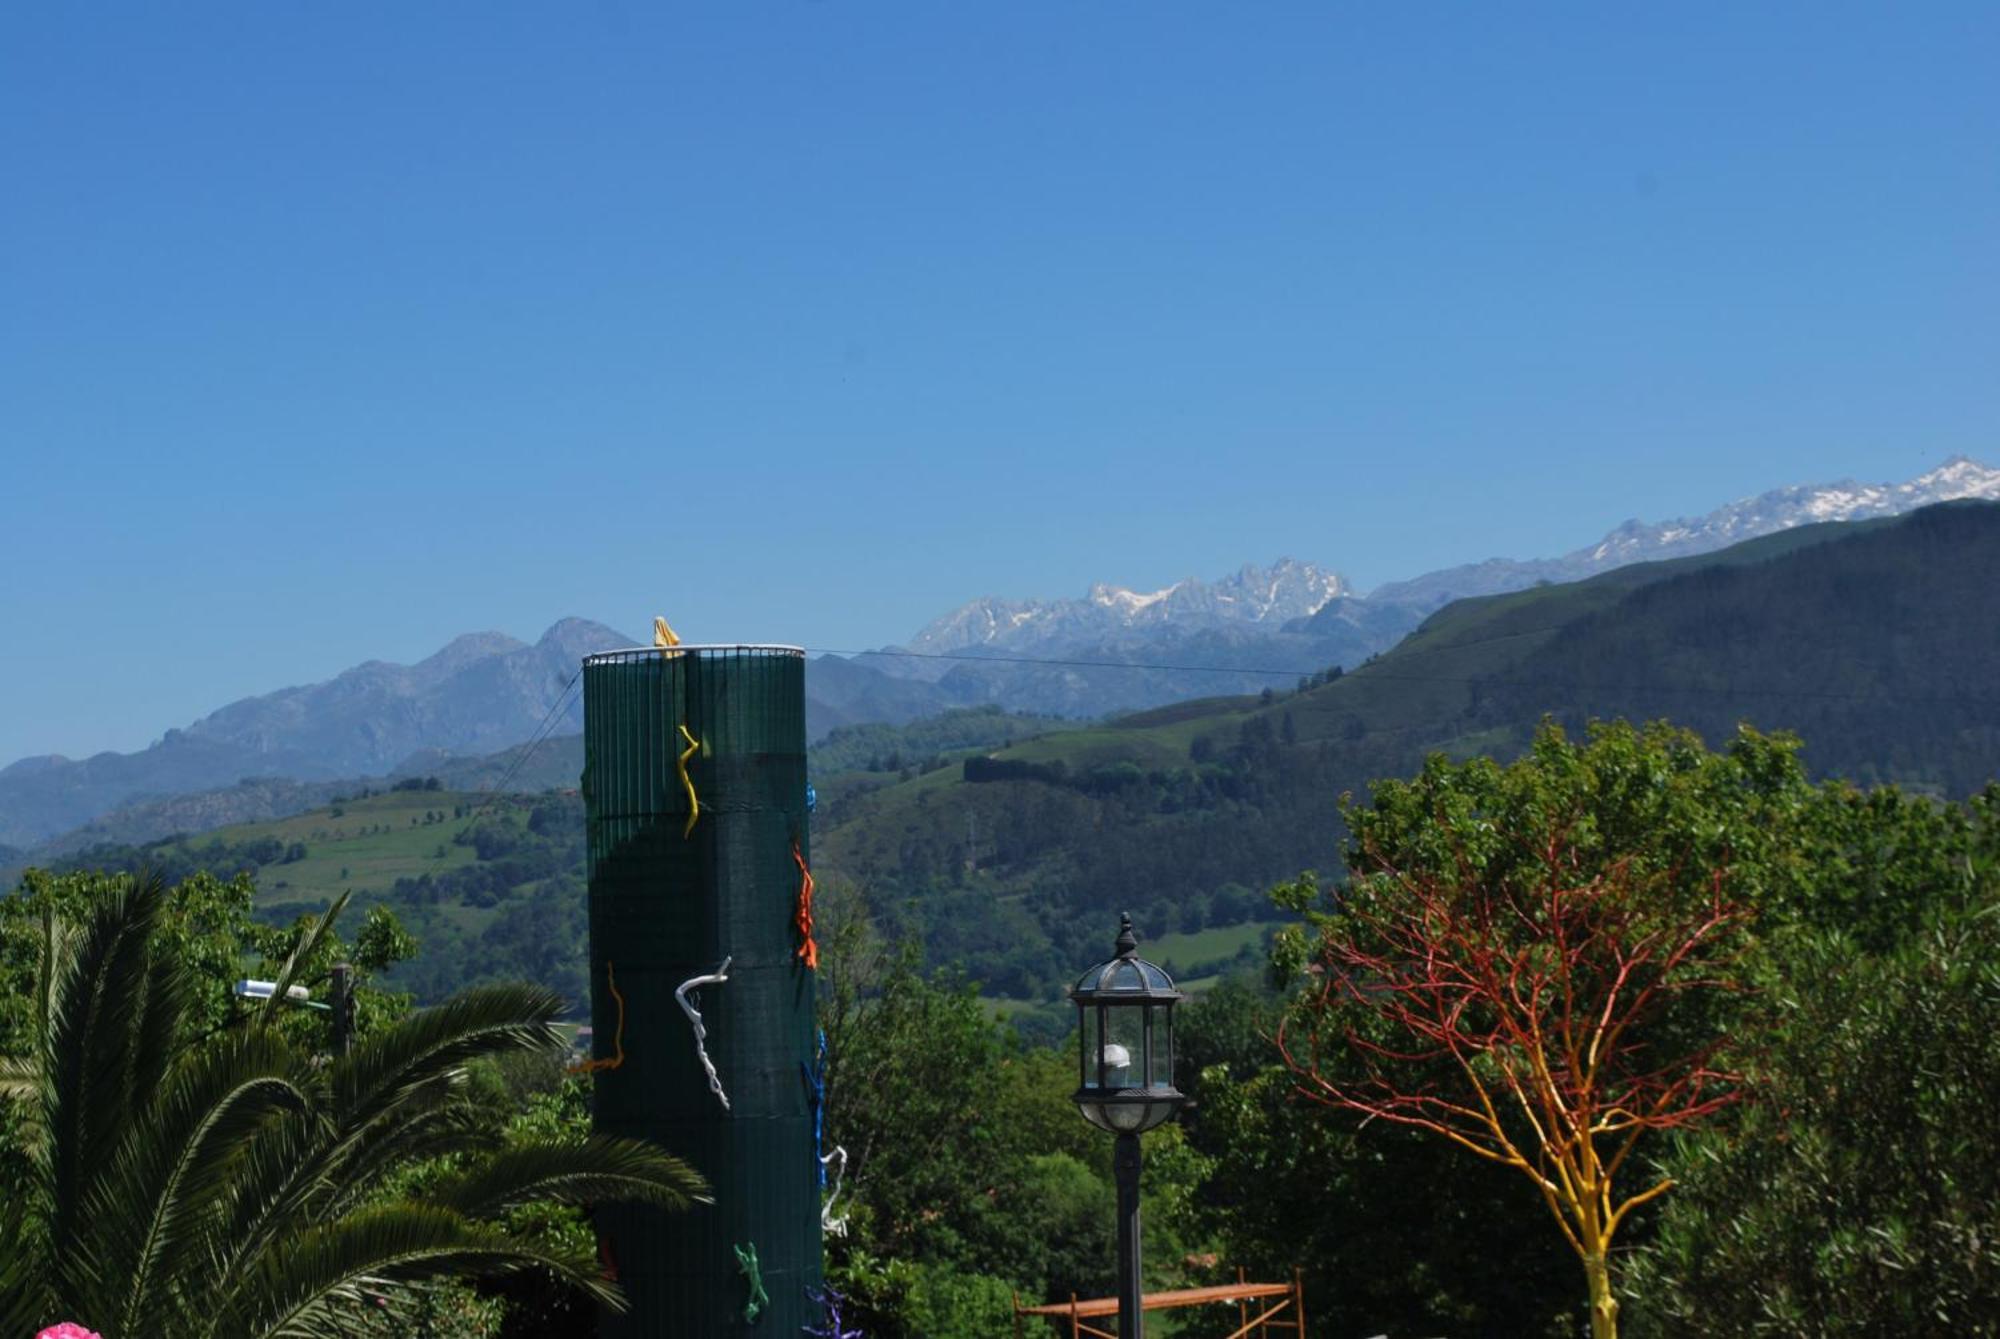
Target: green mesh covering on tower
x,y
665,907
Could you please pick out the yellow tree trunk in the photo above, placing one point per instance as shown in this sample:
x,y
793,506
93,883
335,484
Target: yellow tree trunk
x,y
1603,1306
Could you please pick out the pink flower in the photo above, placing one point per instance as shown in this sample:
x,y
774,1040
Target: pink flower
x,y
69,1329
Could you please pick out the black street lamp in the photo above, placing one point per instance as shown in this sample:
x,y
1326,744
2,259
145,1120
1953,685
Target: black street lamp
x,y
1125,1012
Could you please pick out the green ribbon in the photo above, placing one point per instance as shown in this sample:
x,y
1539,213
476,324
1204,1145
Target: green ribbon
x,y
746,1261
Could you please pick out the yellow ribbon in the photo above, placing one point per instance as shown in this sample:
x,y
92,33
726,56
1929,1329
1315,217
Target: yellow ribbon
x,y
664,635
681,765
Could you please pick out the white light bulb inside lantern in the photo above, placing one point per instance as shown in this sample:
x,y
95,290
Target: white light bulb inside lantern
x,y
1117,1066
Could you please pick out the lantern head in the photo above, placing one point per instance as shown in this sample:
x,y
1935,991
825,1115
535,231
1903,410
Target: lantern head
x,y
1125,1013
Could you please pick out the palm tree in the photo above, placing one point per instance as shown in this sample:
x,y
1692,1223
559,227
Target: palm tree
x,y
237,1187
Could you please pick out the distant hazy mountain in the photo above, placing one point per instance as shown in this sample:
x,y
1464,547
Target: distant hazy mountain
x,y
1220,637
1640,541
1874,640
1240,633
481,693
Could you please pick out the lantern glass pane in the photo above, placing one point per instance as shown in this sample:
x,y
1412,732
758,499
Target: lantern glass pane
x,y
1124,1048
1162,1066
1127,1116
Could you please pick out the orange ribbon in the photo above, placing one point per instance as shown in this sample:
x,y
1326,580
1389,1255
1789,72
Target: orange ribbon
x,y
618,1038
808,950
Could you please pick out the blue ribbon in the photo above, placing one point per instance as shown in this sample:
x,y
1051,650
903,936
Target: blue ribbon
x,y
815,1077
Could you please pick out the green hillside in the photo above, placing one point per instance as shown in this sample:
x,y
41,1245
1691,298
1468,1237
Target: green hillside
x,y
1878,651
1009,855
492,886
1874,640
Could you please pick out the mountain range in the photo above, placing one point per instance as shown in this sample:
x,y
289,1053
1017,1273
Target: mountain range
x,y
480,693
1003,842
1261,627
1256,628
1639,541
1873,641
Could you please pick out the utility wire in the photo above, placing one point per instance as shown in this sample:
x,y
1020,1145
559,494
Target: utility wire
x,y
1374,671
540,736
1371,671
535,741
1181,669
1079,664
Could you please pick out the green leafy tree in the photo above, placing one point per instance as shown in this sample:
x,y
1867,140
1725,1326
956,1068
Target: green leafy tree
x,y
972,1177
239,1185
1536,962
204,923
1861,1194
1392,1231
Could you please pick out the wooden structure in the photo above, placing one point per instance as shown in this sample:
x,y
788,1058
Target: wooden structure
x,y
1283,1307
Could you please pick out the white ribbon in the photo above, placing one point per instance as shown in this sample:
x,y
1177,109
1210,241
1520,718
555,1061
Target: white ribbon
x,y
827,1222
716,978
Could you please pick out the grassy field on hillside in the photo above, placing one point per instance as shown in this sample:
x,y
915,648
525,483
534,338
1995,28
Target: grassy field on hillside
x,y
364,844
1223,941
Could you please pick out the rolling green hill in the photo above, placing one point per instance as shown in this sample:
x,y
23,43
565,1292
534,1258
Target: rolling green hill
x,y
1010,856
1875,640
492,886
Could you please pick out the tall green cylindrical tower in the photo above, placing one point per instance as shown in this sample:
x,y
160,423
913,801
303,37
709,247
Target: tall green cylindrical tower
x,y
669,902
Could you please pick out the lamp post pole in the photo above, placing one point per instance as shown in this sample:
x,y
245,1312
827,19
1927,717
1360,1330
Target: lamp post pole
x,y
1131,1302
343,1010
1125,1039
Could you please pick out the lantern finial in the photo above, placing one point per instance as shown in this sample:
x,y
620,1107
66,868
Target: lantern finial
x,y
1128,942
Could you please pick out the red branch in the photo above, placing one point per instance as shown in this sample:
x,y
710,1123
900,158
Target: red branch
x,y
1515,1018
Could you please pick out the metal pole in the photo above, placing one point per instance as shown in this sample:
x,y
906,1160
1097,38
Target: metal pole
x,y
343,1010
1131,1306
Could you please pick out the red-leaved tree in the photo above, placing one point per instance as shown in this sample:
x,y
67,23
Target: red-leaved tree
x,y
1535,999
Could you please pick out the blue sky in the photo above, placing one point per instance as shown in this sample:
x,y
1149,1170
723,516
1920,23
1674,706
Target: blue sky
x,y
329,331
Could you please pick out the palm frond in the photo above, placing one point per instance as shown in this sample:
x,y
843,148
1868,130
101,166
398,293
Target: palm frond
x,y
280,1177
20,1078
315,1284
161,1010
94,1006
25,1297
436,1121
603,1167
152,1212
385,1093
483,1021
233,1187
301,954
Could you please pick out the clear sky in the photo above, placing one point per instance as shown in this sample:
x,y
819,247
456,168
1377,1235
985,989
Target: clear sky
x,y
328,331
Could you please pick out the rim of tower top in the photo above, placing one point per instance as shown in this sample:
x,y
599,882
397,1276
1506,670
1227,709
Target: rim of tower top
x,y
693,648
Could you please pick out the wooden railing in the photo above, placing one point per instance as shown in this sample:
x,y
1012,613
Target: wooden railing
x,y
1284,1308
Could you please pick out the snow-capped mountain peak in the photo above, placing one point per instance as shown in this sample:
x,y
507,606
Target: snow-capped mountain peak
x,y
1117,597
1782,509
1747,518
1254,595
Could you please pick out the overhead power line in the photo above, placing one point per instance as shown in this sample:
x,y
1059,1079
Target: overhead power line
x,y
1375,671
1077,664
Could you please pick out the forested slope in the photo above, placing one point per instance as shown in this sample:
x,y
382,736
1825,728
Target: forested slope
x,y
1873,640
